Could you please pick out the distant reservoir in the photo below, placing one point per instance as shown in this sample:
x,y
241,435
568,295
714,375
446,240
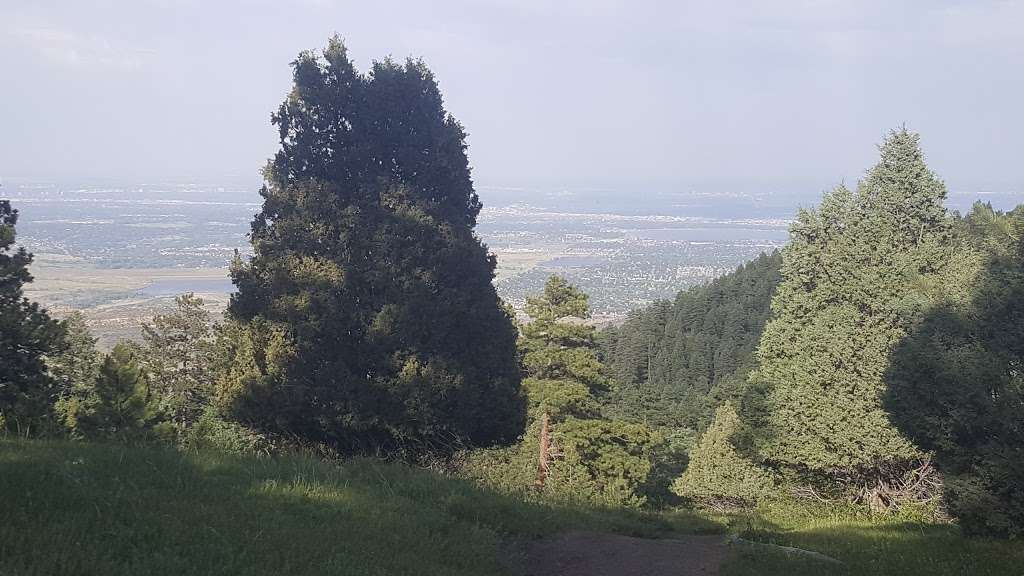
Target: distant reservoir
x,y
175,286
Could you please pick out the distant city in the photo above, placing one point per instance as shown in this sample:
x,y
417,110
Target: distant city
x,y
119,253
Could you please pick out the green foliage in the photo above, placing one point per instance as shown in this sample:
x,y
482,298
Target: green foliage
x,y
559,353
119,406
561,398
179,358
27,335
593,459
675,362
598,460
957,380
717,472
669,459
75,368
213,432
113,509
604,461
367,313
858,271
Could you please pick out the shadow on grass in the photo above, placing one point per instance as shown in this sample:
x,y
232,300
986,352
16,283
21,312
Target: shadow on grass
x,y
73,508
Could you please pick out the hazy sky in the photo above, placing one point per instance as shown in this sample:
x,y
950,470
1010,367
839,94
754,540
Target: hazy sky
x,y
565,92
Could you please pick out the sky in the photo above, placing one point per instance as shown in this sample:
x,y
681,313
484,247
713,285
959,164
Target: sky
x,y
601,93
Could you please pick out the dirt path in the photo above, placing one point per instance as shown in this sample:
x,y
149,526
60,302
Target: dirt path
x,y
585,554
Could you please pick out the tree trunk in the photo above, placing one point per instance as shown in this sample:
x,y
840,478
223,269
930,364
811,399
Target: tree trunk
x,y
544,456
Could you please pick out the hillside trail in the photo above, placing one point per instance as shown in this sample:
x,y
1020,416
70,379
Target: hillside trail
x,y
588,554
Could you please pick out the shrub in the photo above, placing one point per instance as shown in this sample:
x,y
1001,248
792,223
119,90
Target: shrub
x,y
211,431
718,474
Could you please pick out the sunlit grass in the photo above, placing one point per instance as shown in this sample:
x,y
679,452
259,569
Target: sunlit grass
x,y
75,508
866,545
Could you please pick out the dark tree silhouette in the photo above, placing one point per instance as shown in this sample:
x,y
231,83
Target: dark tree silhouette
x,y
370,316
956,382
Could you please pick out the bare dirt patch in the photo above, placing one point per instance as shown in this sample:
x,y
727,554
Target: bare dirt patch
x,y
586,554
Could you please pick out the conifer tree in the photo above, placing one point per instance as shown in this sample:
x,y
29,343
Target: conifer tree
x,y
371,314
27,335
675,362
855,276
75,368
717,472
957,380
120,405
597,459
178,358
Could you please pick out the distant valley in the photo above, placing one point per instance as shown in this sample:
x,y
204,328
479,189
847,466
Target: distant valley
x,y
120,253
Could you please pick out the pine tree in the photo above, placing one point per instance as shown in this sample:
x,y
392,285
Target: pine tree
x,y
579,451
75,368
372,317
27,335
178,358
675,362
120,406
855,276
560,359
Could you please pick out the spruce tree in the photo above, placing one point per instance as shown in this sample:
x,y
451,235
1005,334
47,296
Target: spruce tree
x,y
27,335
856,274
370,311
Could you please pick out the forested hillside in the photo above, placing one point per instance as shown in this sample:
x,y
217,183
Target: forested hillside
x,y
871,374
674,362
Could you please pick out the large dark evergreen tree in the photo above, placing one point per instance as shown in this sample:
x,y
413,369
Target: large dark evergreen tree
x,y
27,334
369,309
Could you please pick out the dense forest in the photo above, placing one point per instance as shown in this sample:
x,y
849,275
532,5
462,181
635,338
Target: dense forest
x,y
675,362
875,361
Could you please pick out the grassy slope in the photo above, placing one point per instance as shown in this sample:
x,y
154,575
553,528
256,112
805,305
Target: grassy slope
x,y
73,508
880,546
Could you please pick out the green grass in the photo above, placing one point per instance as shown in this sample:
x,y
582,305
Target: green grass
x,y
866,545
76,508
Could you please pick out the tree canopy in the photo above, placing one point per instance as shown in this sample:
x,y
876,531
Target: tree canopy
x,y
370,314
856,273
27,335
675,362
717,472
956,383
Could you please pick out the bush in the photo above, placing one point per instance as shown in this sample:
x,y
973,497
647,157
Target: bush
x,y
718,474
985,503
211,431
600,462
